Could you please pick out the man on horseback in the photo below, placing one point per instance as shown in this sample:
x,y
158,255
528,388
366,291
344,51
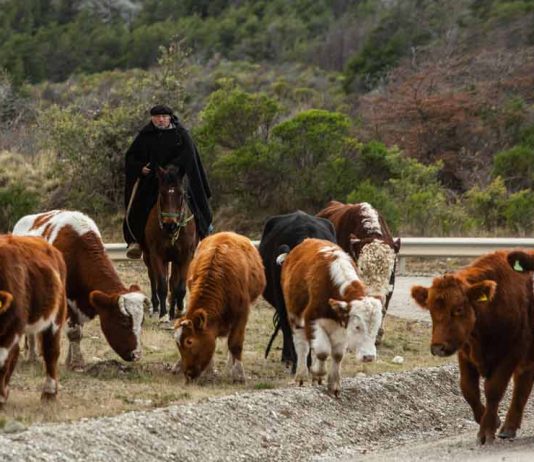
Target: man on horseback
x,y
162,142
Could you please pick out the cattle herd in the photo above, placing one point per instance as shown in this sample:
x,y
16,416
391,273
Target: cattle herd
x,y
329,277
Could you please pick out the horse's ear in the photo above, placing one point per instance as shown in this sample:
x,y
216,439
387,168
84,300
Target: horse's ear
x,y
160,172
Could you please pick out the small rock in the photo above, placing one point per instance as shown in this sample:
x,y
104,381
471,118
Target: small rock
x,y
397,360
14,426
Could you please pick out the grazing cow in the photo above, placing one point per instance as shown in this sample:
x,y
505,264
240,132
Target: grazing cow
x,y
93,285
363,233
327,309
224,278
280,234
484,312
32,301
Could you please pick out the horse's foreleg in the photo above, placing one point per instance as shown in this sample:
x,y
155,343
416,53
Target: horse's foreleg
x,y
177,283
160,270
153,283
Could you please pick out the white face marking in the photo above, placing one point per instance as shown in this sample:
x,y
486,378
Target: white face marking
x,y
364,321
59,218
375,264
4,352
132,304
370,220
342,271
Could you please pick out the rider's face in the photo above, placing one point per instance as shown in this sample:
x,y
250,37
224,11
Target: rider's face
x,y
161,120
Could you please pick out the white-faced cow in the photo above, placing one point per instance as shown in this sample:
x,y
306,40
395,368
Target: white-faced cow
x,y
225,277
280,234
32,301
484,313
93,286
327,309
363,233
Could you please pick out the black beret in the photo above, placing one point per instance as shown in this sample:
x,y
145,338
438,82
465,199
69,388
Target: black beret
x,y
161,109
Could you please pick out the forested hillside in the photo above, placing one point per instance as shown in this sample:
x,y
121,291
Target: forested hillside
x,y
424,108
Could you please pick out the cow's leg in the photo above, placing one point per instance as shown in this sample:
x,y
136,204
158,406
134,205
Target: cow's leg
x,y
30,344
469,384
177,283
302,348
50,341
5,373
523,381
236,337
339,345
74,334
494,388
321,349
153,283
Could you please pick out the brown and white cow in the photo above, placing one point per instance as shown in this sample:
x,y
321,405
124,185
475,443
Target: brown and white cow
x,y
484,313
32,301
225,277
328,309
93,286
363,233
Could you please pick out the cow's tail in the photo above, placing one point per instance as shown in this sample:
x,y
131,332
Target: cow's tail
x,y
281,254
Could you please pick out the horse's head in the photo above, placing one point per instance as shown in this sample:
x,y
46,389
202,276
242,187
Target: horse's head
x,y
171,199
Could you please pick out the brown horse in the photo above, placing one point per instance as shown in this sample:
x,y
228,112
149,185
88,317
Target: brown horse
x,y
172,237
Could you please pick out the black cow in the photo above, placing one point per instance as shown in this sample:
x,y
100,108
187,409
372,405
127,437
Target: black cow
x,y
280,234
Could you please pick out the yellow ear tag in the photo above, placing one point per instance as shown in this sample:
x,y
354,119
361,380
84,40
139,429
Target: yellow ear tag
x,y
0,303
483,298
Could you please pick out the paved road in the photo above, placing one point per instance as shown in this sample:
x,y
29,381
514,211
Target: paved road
x,y
402,304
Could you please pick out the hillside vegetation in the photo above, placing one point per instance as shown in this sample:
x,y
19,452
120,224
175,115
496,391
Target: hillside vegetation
x,y
423,108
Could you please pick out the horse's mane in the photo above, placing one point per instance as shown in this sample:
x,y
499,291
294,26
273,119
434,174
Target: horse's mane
x,y
173,175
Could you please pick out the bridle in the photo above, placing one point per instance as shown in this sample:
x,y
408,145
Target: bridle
x,y
180,215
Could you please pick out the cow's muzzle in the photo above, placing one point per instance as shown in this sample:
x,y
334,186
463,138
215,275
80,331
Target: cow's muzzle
x,y
440,349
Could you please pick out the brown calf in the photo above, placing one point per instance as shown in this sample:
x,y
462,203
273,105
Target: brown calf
x,y
224,278
484,313
93,286
327,309
32,301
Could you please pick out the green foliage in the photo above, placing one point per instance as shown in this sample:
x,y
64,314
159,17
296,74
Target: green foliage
x,y
516,167
15,202
486,205
519,212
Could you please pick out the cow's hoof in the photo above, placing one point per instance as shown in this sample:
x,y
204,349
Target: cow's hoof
x,y
238,374
48,397
507,434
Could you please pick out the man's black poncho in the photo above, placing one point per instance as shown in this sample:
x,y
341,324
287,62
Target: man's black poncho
x,y
158,147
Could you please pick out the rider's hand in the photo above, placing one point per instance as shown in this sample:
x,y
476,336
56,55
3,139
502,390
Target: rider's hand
x,y
145,170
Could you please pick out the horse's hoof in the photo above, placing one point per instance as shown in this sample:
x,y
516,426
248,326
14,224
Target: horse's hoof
x,y
507,434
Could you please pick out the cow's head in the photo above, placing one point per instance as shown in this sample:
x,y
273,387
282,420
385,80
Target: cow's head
x,y
195,341
362,318
453,304
121,317
375,260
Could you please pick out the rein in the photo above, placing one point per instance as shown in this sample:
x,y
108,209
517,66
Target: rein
x,y
182,220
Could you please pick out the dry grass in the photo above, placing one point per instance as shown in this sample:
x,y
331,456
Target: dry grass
x,y
110,386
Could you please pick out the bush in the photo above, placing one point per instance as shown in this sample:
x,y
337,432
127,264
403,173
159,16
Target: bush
x,y
519,212
516,167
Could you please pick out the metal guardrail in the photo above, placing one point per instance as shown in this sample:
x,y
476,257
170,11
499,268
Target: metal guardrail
x,y
416,247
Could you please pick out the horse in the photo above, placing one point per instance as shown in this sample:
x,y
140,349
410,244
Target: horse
x,y
170,237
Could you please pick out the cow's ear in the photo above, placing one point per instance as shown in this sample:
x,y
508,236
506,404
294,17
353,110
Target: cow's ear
x,y
100,300
397,245
200,319
420,295
520,261
5,301
482,292
342,310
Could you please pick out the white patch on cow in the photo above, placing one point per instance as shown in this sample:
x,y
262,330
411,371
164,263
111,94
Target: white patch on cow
x,y
370,220
375,264
342,271
58,219
41,324
331,336
50,386
302,348
364,321
82,318
281,258
132,305
4,351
